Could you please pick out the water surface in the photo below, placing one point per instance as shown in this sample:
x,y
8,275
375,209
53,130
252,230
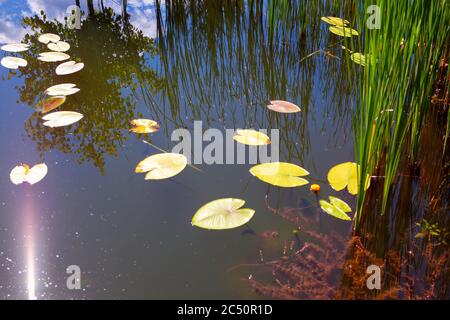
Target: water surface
x,y
217,63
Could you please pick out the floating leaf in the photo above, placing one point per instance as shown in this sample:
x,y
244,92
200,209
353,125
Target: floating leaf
x,y
59,46
343,31
15,47
48,37
23,173
283,106
346,175
51,103
281,174
53,56
251,137
358,58
69,67
144,126
222,214
13,62
335,21
162,166
341,204
61,118
63,89
421,235
333,210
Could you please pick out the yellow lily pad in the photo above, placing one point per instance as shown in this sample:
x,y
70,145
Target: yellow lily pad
x,y
346,175
162,166
144,126
335,21
333,210
222,214
251,137
358,58
343,31
341,204
281,174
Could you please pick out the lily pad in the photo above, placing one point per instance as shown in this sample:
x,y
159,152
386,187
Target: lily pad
x,y
13,62
333,210
281,174
162,166
346,175
61,118
48,37
53,56
341,204
51,103
144,126
251,137
69,67
24,173
222,214
15,47
343,31
283,106
59,46
358,58
63,89
335,21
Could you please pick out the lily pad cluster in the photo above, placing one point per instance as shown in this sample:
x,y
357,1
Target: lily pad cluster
x,y
340,27
55,96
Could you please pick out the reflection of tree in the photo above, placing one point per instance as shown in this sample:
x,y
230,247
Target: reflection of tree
x,y
113,56
227,59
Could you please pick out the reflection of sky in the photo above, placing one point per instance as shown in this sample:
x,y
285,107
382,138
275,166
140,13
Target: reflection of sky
x,y
142,14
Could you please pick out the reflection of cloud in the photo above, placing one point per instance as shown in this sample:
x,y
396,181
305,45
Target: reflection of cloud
x,y
143,17
142,14
10,31
54,9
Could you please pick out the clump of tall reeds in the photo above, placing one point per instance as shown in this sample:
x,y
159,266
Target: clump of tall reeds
x,y
396,86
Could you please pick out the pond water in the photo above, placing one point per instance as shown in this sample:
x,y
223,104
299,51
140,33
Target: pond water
x,y
215,63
